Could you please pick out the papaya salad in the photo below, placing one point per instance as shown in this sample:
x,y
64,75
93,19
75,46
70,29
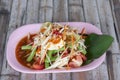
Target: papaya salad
x,y
56,46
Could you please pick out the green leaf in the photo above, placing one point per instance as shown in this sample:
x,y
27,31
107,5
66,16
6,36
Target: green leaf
x,y
87,62
97,45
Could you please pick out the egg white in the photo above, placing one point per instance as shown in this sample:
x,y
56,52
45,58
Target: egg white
x,y
57,46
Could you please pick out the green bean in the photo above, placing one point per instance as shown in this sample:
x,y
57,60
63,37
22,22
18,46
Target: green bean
x,y
52,58
31,55
26,47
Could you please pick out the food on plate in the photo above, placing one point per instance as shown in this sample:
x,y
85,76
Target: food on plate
x,y
58,46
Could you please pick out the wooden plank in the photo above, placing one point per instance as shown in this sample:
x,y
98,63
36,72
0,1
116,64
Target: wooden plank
x,y
4,18
107,23
27,76
45,76
91,13
15,20
32,11
3,29
79,76
75,10
116,65
110,65
117,11
60,12
115,5
9,77
46,11
100,73
6,4
61,76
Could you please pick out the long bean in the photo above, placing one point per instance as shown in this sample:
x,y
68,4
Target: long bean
x,y
26,47
31,54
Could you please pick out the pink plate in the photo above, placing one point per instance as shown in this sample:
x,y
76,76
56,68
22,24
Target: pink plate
x,y
19,33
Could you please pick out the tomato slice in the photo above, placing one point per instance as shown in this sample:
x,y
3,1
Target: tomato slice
x,y
78,62
38,67
83,57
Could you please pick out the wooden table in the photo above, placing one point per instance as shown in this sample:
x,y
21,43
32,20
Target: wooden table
x,y
105,14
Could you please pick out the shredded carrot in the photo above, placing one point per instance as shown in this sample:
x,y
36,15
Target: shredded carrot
x,y
72,39
42,30
68,67
64,33
38,49
83,31
55,41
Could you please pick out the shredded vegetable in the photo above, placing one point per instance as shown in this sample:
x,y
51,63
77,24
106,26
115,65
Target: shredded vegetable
x,y
31,55
56,46
26,47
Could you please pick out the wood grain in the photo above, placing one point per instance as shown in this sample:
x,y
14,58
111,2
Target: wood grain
x,y
110,65
9,77
28,76
45,76
75,10
115,7
6,5
15,21
4,20
46,11
60,13
107,24
32,11
61,76
91,12
116,66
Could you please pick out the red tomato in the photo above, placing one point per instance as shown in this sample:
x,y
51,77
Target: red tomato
x,y
74,64
64,55
83,57
38,67
56,32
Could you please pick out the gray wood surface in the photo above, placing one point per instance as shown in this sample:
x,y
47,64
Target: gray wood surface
x,y
105,14
4,16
